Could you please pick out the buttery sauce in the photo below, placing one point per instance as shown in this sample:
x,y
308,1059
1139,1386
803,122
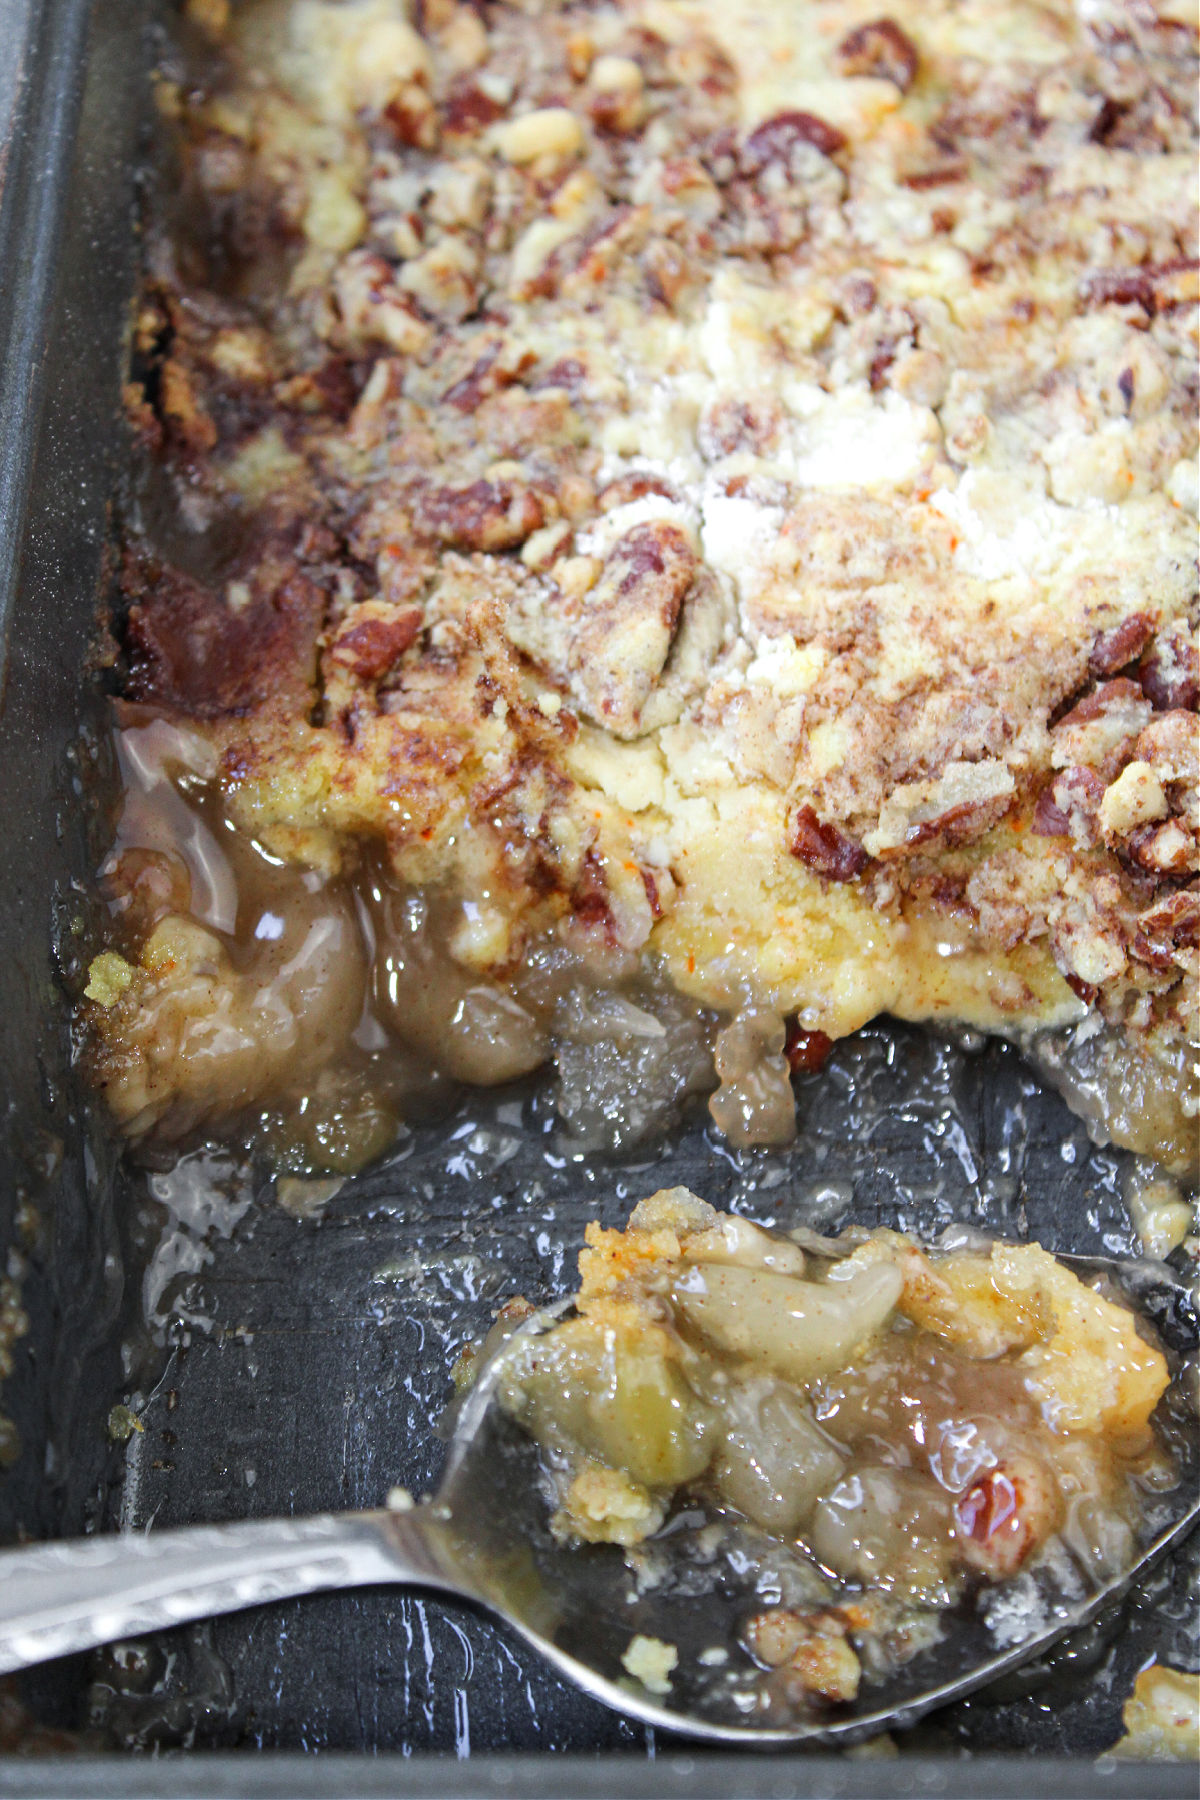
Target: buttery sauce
x,y
312,1001
916,1428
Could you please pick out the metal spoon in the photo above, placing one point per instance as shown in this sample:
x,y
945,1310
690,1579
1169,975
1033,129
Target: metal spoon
x,y
481,1538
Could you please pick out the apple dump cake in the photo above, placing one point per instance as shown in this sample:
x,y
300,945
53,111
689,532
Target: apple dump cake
x,y
667,529
890,1432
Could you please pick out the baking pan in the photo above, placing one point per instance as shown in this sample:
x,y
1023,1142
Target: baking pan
x,y
280,1365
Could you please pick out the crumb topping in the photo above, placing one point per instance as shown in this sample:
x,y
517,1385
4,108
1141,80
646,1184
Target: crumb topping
x,y
723,492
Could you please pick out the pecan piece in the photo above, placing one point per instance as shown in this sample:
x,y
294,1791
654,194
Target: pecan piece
x,y
1175,919
467,110
1049,819
373,637
607,628
1104,698
371,310
777,138
806,1051
1170,673
1156,287
1089,937
633,486
617,103
1134,799
1103,728
630,619
1120,644
486,515
1069,807
411,117
495,368
1166,849
881,49
825,849
1006,1514
959,804
730,425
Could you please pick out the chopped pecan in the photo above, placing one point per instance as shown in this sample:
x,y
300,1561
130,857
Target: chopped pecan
x,y
608,627
650,51
825,849
731,425
411,117
857,296
634,486
1070,805
1104,698
1175,919
654,563
1169,745
486,515
666,271
686,187
957,805
373,637
1157,287
1089,937
466,394
777,138
332,387
1170,673
1166,849
1120,644
1006,1514
697,62
467,110
1049,819
492,371
630,619
371,309
567,373
621,233
942,174
550,133
1103,728
881,49
806,1051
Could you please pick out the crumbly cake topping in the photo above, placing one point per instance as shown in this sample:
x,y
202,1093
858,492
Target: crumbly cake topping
x,y
718,490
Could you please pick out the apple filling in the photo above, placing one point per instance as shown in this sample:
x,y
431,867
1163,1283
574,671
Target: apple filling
x,y
913,1424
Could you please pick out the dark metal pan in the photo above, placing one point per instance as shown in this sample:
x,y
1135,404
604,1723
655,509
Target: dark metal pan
x,y
290,1366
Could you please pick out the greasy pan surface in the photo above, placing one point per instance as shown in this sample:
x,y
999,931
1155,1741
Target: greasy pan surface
x,y
312,1358
292,1366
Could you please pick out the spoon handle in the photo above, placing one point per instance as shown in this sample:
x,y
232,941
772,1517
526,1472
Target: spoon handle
x,y
61,1597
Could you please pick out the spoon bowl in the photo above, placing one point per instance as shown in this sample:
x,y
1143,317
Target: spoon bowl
x,y
484,1538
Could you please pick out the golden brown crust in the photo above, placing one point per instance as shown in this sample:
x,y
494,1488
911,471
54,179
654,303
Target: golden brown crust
x,y
646,482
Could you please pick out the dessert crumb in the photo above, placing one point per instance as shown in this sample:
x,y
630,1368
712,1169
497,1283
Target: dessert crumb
x,y
650,1661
